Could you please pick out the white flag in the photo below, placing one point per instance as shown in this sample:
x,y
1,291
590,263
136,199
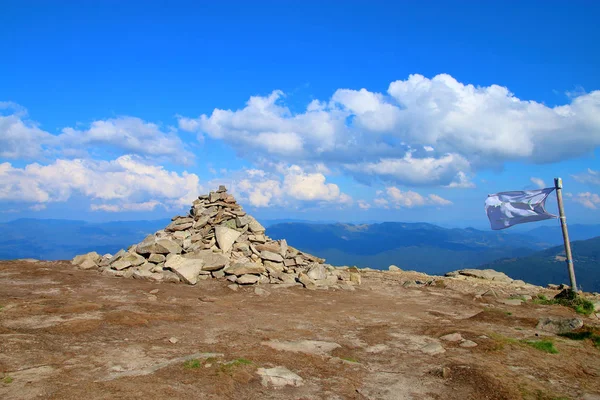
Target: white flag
x,y
511,208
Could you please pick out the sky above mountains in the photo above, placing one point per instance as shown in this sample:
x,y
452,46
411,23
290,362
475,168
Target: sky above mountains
x,y
350,111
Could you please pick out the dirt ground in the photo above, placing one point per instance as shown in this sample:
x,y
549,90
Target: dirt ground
x,y
72,334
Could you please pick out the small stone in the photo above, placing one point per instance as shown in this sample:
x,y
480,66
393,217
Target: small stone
x,y
154,291
157,258
120,265
173,340
279,377
247,279
433,348
394,268
445,372
261,292
317,272
467,344
452,337
244,268
233,287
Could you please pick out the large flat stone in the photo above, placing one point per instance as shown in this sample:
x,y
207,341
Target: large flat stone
x,y
317,347
247,279
269,255
279,377
211,261
225,237
244,268
187,269
559,325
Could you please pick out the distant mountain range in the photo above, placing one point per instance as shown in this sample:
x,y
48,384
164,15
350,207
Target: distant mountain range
x,y
57,239
548,266
417,246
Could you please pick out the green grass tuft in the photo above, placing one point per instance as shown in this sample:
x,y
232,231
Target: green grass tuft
x,y
586,333
191,364
350,359
7,379
579,304
542,345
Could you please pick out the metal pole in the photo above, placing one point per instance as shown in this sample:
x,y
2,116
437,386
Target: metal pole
x,y
565,232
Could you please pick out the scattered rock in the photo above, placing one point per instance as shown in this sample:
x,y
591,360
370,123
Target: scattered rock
x,y
452,337
559,325
488,274
394,268
468,343
303,346
173,340
279,377
433,348
247,279
261,292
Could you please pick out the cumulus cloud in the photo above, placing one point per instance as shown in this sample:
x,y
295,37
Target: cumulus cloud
x,y
363,205
588,200
588,177
284,186
408,199
126,183
538,182
129,134
23,139
457,128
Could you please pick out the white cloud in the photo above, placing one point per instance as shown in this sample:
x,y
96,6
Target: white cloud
x,y
462,181
591,177
283,186
408,199
588,200
127,183
446,170
538,182
459,129
131,135
381,202
144,206
21,138
435,199
364,205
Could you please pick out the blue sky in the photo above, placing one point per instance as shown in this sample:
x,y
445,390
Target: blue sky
x,y
349,111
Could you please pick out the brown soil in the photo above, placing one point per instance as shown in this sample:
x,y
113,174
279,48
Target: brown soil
x,y
71,334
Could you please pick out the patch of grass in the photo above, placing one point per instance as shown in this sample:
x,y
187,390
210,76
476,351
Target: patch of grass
x,y
542,345
230,366
192,364
587,333
580,304
350,359
7,379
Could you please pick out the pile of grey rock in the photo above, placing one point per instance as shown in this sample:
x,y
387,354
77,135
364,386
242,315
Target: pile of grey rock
x,y
217,239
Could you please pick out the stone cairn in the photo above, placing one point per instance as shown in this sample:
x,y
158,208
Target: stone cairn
x,y
217,239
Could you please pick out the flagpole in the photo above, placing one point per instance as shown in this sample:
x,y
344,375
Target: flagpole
x,y
565,232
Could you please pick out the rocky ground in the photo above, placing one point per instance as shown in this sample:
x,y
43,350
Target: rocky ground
x,y
67,333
